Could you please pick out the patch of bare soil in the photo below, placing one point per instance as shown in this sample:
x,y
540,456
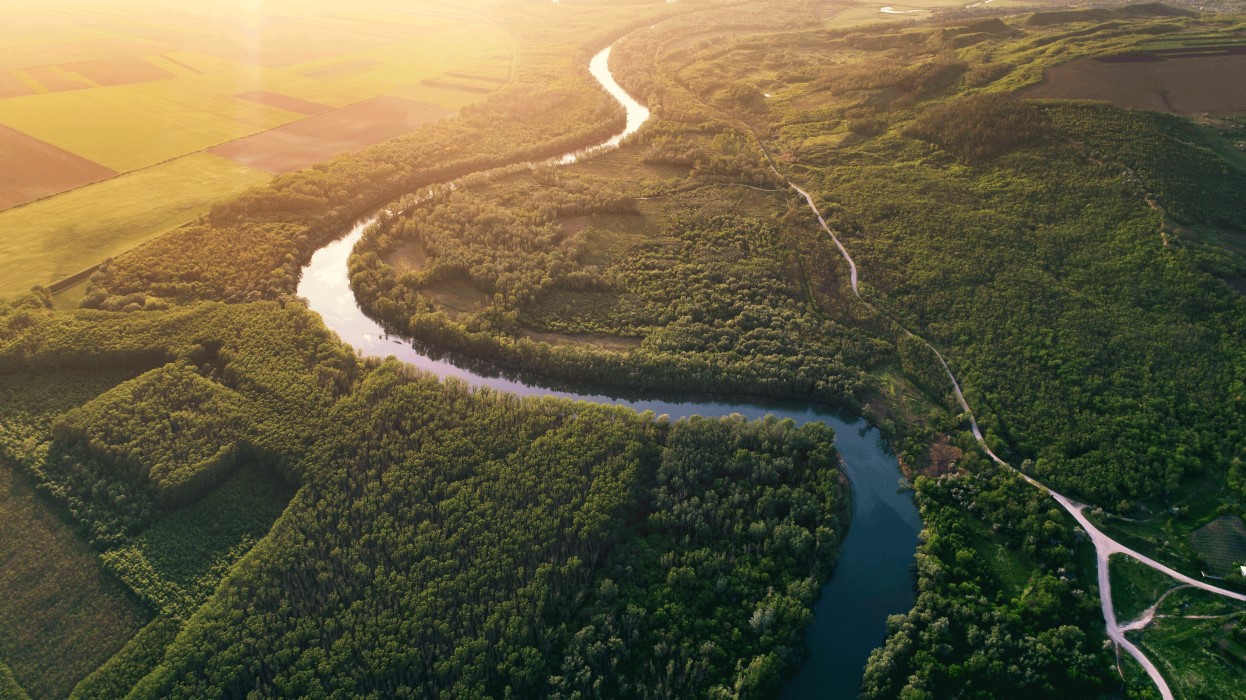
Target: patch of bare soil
x,y
1182,85
318,138
45,169
289,104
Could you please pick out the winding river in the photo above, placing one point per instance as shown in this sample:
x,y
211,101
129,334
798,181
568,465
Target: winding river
x,y
873,578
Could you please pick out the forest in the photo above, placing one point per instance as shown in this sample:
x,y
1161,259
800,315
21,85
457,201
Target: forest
x,y
279,516
543,523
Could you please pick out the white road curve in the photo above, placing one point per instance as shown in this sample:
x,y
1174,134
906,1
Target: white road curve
x,y
1105,546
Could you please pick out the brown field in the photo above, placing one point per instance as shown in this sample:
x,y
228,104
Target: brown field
x,y
12,86
295,146
49,78
45,169
61,616
289,104
118,71
1188,85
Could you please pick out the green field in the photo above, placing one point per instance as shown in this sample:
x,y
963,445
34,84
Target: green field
x,y
1200,658
1135,586
60,614
60,236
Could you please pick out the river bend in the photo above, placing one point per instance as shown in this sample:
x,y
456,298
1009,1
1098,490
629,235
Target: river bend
x,y
873,577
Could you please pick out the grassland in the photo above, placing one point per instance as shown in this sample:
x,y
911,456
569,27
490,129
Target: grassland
x,y
60,236
1135,586
1200,658
61,615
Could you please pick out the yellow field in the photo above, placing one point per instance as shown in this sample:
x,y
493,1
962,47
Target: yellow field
x,y
185,65
56,237
144,87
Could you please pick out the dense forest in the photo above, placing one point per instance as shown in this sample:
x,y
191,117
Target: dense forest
x,y
1098,352
705,299
541,523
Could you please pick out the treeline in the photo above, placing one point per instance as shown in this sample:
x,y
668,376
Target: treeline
x,y
443,539
289,368
170,428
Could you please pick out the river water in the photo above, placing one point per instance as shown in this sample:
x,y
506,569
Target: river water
x,y
873,577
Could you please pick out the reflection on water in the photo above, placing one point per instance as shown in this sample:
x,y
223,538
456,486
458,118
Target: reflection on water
x,y
873,577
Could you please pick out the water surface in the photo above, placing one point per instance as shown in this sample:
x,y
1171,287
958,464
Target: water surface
x,y
873,578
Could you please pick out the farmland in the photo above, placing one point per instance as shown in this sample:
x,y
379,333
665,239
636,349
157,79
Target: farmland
x,y
60,613
62,616
320,137
51,239
1183,85
116,105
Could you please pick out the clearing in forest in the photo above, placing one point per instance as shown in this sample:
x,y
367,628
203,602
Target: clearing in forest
x,y
1221,543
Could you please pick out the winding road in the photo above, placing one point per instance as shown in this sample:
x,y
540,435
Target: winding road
x,y
1105,546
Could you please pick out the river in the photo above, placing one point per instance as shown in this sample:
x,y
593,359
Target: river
x,y
873,578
